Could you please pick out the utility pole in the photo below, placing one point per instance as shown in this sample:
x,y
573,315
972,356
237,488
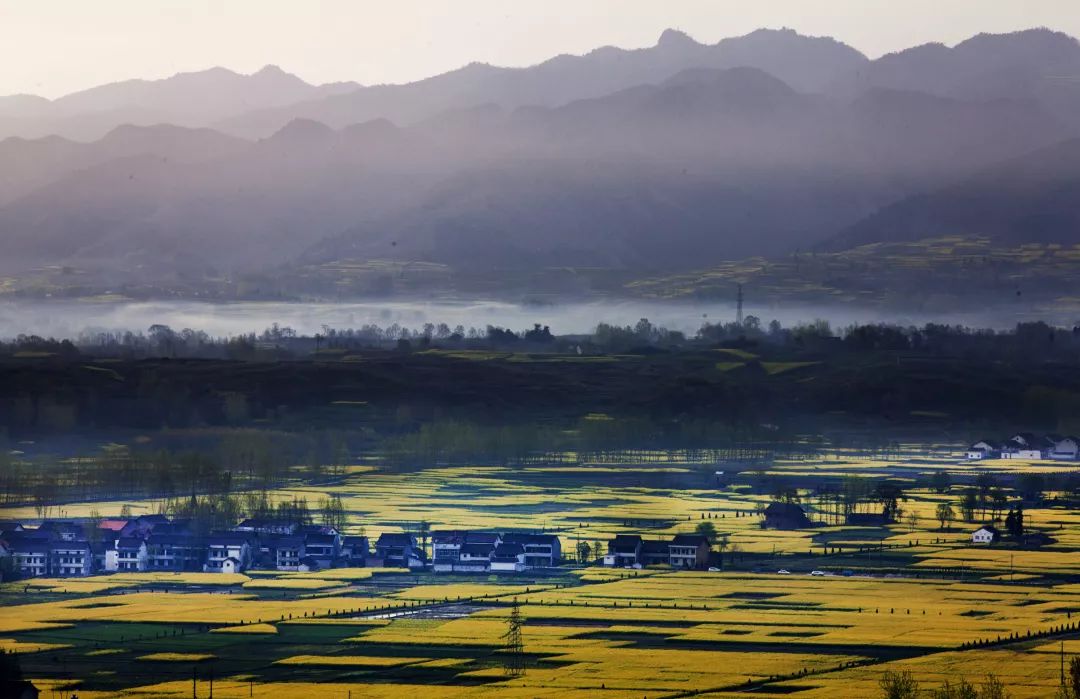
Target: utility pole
x,y
194,676
211,682
738,306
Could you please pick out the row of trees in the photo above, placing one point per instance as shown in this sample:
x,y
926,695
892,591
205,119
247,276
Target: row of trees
x,y
1027,340
593,438
215,463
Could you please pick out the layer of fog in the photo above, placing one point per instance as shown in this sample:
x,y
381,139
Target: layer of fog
x,y
62,319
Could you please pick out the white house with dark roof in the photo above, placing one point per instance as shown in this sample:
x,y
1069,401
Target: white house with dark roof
x,y
1065,448
541,550
986,534
445,550
322,548
689,551
222,546
982,449
131,554
624,551
70,558
176,552
31,557
507,558
288,551
354,551
396,550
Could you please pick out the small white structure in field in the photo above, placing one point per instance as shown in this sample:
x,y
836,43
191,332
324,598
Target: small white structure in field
x,y
987,534
980,450
1066,448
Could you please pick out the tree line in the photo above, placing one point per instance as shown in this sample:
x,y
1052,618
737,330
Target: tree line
x,y
1029,340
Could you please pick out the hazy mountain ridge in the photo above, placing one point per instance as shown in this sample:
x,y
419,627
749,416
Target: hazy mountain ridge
x,y
700,165
806,63
194,99
26,165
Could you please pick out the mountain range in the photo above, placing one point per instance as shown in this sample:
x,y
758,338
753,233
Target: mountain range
x,y
671,157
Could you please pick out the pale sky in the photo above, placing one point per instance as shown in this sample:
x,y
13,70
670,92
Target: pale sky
x,y
53,47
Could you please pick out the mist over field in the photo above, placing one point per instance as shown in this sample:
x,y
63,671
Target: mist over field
x,y
69,320
729,359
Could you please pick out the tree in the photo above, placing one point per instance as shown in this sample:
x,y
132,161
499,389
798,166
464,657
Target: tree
x,y
708,530
961,690
333,512
1074,675
889,495
92,527
1014,522
968,504
941,481
993,688
1031,486
514,649
125,511
583,551
945,514
998,501
898,685
912,520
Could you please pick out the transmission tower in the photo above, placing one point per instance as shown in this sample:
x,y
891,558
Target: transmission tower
x,y
514,650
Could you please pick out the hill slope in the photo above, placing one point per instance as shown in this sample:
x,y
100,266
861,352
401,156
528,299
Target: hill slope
x,y
1031,199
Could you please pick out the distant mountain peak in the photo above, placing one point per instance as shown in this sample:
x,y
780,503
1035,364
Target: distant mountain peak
x,y
675,38
302,130
1042,35
271,71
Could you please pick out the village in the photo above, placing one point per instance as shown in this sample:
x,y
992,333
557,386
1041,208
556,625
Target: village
x,y
1027,446
67,548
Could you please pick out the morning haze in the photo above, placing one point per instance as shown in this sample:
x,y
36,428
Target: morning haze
x,y
491,350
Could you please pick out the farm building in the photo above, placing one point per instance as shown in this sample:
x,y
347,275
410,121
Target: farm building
x,y
541,550
683,551
689,551
785,515
223,546
983,449
398,550
624,551
986,534
480,551
508,558
131,554
1028,447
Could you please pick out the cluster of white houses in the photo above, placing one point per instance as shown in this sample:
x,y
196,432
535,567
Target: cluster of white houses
x,y
1027,446
497,552
682,551
156,543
